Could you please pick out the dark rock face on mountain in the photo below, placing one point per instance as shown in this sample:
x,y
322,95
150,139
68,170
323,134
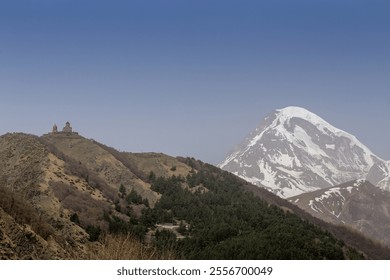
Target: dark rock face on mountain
x,y
357,204
294,151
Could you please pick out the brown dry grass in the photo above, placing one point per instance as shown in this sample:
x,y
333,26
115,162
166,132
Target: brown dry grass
x,y
126,247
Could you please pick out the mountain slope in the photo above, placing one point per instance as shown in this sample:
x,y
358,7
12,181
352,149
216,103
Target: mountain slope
x,y
294,151
57,188
89,155
379,175
27,202
357,204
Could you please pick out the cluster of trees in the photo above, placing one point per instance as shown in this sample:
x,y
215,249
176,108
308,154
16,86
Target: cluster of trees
x,y
228,223
223,222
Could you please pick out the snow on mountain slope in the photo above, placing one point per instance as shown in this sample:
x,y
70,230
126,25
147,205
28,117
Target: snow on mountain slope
x,y
357,204
328,202
294,151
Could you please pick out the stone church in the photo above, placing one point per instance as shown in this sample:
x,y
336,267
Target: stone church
x,y
67,129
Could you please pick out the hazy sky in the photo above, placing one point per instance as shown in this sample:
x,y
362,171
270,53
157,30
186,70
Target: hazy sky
x,y
193,77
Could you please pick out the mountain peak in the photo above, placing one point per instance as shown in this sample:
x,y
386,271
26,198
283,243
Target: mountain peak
x,y
298,112
294,111
286,114
295,151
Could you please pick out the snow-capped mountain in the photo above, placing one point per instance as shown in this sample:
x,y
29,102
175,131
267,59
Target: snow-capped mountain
x,y
294,151
357,204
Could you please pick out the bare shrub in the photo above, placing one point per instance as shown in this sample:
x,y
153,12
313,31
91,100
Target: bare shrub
x,y
126,247
24,213
72,166
76,168
89,210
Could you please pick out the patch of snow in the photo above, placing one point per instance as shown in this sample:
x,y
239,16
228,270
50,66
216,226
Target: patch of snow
x,y
251,180
332,146
314,207
284,160
290,192
312,148
268,173
228,159
359,182
329,193
293,173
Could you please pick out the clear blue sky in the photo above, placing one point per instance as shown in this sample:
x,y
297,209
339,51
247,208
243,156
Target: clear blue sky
x,y
193,77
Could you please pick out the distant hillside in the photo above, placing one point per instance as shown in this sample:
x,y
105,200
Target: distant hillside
x,y
63,196
357,204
